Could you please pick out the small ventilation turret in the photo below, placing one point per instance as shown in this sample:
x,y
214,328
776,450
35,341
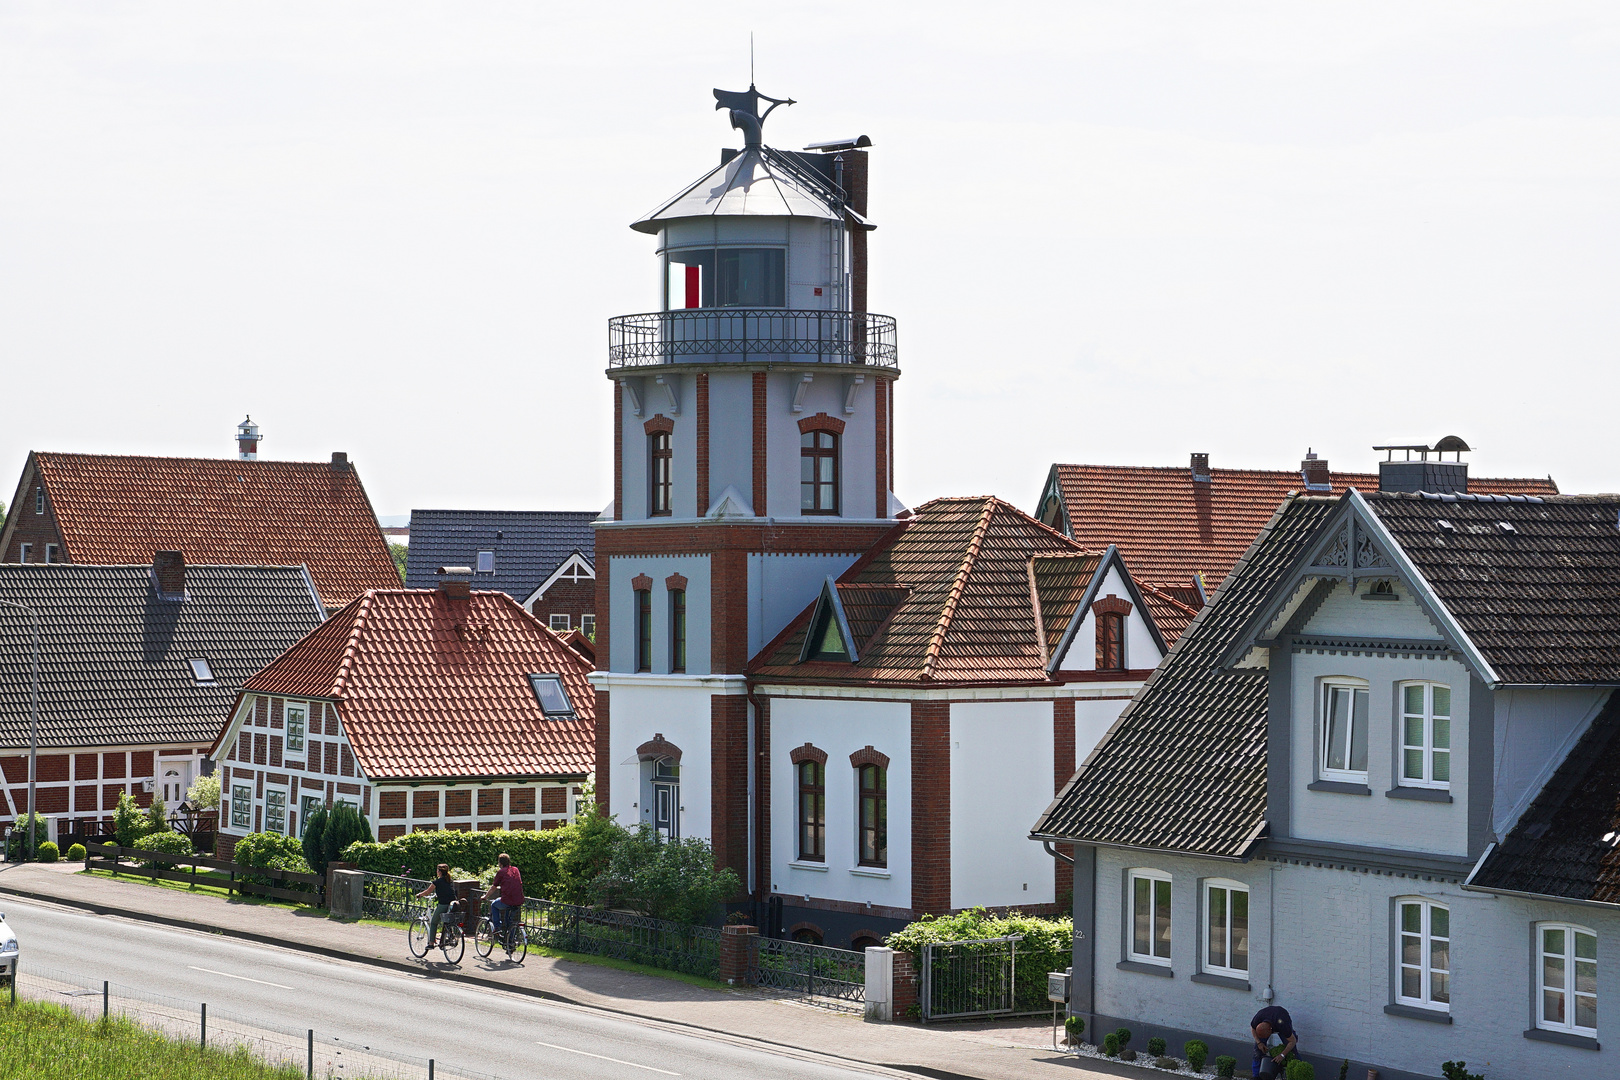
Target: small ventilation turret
x,y
1428,471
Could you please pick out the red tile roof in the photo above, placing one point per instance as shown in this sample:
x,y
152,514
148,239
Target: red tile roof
x,y
118,510
433,688
1173,607
1169,527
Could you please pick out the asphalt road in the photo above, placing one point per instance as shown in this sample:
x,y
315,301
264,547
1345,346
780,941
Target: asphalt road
x,y
503,1034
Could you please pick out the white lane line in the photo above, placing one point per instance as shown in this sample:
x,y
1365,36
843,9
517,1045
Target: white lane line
x,y
244,978
600,1057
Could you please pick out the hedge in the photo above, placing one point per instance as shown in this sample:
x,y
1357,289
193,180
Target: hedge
x,y
275,852
170,843
533,853
1048,945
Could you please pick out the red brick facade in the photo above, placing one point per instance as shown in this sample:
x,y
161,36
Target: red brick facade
x,y
571,598
35,530
728,781
931,807
702,423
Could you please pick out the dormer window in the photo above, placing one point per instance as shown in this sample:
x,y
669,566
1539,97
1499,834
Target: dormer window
x,y
201,671
1381,590
1110,641
1344,731
553,698
486,562
826,639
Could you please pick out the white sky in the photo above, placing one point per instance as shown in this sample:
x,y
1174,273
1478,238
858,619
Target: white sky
x,y
1111,232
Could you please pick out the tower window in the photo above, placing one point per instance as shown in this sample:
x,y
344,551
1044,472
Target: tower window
x,y
752,277
818,472
677,630
643,629
39,500
1110,641
658,473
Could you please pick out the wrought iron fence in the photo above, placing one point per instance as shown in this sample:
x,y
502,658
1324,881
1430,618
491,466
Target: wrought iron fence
x,y
672,946
823,974
393,898
968,978
697,335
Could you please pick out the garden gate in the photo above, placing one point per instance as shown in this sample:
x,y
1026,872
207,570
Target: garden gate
x,y
967,978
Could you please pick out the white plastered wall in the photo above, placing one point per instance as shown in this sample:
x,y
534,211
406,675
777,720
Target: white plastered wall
x,y
682,715
1001,780
781,586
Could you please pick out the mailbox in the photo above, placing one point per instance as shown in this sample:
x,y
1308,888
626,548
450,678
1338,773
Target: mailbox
x,y
1057,986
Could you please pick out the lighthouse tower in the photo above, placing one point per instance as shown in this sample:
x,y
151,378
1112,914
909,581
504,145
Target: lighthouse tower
x,y
752,460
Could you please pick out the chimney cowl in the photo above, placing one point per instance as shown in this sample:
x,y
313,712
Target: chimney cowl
x,y
169,575
1200,468
455,582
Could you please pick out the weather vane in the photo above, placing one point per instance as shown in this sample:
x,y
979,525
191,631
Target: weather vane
x,y
744,104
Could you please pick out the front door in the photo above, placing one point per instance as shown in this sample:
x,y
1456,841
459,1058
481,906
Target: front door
x,y
667,808
174,780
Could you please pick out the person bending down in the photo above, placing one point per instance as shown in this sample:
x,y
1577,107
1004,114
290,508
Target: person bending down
x,y
1275,1041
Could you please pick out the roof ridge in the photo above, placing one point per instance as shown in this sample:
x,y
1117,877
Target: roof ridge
x,y
936,640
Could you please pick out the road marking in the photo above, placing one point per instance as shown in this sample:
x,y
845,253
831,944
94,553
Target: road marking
x,y
600,1057
244,978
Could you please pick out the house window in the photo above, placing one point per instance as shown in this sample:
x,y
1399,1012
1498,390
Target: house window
x,y
587,625
39,500
1344,731
874,815
677,630
275,810
658,480
813,811
1426,735
553,697
559,623
818,472
297,722
1568,979
1110,641
307,805
25,553
53,553
1425,955
242,806
1150,916
1226,929
486,562
752,277
201,671
643,630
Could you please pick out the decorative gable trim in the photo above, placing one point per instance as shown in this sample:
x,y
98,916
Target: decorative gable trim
x,y
821,422
658,748
571,567
659,422
1052,498
868,756
807,752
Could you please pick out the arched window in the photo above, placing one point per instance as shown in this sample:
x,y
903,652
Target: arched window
x,y
1568,998
812,810
818,472
874,815
658,473
1226,928
677,630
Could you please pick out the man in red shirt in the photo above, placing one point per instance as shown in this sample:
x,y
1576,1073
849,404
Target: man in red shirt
x,y
509,884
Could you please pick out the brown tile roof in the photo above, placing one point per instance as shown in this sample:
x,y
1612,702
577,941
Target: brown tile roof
x,y
1060,583
432,688
1173,607
948,597
115,509
1170,527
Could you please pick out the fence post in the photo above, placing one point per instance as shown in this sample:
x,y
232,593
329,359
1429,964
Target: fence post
x,y
202,1043
311,1072
430,1069
104,985
737,945
879,983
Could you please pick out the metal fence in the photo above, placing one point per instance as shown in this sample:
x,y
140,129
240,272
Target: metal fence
x,y
392,898
694,950
706,335
309,1051
835,977
968,978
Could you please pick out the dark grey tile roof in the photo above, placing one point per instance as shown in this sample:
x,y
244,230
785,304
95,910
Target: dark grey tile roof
x,y
528,545
114,658
1184,767
1534,583
1567,844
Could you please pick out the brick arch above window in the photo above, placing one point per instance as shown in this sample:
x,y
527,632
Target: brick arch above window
x,y
641,583
1111,605
659,422
657,748
868,756
807,752
821,422
675,583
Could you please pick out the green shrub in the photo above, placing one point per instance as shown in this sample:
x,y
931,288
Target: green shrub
x,y
672,879
583,851
1124,1034
76,853
1047,946
1111,1044
1167,1062
204,792
343,826
1225,1065
17,845
314,845
421,853
1196,1052
48,852
129,820
1458,1070
1156,1046
157,816
273,852
1074,1027
168,842
1300,1069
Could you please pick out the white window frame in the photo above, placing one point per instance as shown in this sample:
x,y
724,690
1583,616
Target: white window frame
x,y
1568,989
1424,938
39,498
486,562
1426,746
1154,879
552,622
52,553
203,675
587,624
25,552
276,789
245,805
304,799
1231,889
1324,704
301,711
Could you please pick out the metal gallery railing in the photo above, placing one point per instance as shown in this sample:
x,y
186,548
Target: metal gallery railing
x,y
783,335
823,974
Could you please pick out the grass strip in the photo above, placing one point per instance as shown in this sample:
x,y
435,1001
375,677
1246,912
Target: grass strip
x,y
208,883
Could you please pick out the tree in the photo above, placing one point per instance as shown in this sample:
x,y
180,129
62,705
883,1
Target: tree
x,y
315,839
204,793
157,817
129,820
344,826
399,552
665,879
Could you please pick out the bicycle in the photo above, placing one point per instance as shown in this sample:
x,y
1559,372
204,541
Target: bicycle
x,y
452,942
514,938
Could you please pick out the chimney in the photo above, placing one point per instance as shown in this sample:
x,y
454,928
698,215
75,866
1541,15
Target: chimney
x,y
455,582
1314,471
169,575
1429,471
340,461
1200,468
247,440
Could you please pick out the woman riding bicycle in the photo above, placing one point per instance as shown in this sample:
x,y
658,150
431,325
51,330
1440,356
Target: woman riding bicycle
x,y
444,894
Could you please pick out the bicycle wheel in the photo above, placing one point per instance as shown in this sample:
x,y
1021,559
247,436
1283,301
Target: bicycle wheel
x,y
520,944
454,947
417,936
484,942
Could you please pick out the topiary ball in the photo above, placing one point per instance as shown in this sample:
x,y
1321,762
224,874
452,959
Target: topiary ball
x,y
1225,1065
1156,1046
48,852
1111,1044
1196,1052
76,853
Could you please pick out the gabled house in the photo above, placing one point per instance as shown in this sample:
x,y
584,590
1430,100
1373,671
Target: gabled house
x,y
543,559
105,509
424,708
136,666
1375,782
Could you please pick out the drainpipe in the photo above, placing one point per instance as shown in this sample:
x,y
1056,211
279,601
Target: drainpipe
x,y
1271,940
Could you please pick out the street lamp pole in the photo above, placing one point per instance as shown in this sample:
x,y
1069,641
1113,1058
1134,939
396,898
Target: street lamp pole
x,y
33,730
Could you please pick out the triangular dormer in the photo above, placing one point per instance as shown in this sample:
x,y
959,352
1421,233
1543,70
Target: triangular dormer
x,y
1092,616
829,638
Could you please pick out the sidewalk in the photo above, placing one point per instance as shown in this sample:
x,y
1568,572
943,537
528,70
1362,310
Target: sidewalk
x,y
1008,1050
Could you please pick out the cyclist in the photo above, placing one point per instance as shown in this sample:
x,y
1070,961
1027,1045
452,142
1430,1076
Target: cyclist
x,y
509,884
444,894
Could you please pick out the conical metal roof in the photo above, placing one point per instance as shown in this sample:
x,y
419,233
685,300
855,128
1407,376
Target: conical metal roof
x,y
755,183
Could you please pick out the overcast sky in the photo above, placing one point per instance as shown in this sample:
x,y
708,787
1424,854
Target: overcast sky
x,y
1110,232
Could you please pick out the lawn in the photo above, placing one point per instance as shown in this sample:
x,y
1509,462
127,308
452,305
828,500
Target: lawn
x,y
208,883
46,1042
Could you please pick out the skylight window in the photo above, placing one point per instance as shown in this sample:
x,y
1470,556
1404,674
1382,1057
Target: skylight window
x,y
201,671
1507,527
548,690
486,562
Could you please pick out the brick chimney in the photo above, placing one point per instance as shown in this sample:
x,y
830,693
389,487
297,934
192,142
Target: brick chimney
x,y
340,461
169,575
1314,471
1200,468
455,582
